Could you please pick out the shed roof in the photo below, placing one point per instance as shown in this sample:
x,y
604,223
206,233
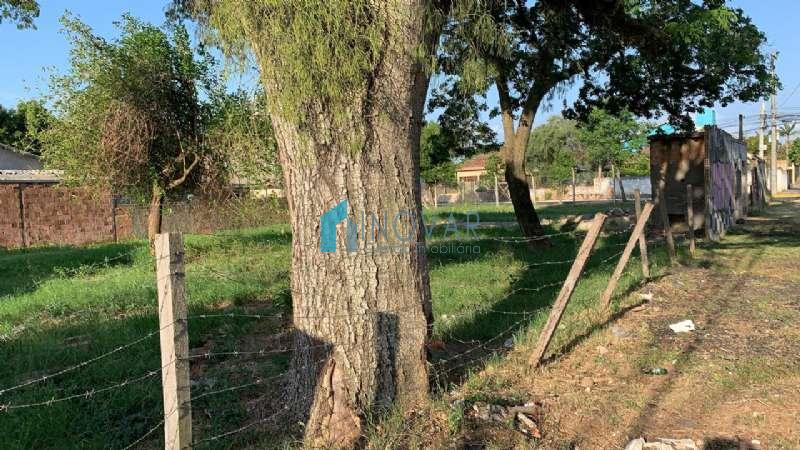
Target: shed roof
x,y
30,176
477,162
13,159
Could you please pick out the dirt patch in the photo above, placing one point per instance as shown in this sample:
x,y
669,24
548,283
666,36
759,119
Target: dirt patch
x,y
731,383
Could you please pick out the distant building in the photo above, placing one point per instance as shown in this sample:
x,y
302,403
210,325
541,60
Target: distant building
x,y
13,159
18,167
471,170
726,181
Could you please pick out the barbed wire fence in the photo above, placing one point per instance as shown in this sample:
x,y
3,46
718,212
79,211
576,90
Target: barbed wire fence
x,y
440,369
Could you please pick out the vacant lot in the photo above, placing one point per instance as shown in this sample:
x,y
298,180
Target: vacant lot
x,y
62,306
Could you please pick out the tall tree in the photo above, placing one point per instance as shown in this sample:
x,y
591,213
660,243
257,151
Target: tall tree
x,y
555,148
435,156
21,12
347,90
461,127
130,117
22,127
670,57
794,152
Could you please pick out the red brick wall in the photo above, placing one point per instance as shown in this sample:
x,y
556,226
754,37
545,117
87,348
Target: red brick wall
x,y
59,216
10,227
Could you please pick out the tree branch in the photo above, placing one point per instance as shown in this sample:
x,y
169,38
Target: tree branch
x,y
186,171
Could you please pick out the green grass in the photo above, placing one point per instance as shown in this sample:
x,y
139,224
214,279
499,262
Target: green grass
x,y
504,212
61,306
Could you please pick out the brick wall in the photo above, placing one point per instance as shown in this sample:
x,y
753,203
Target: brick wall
x,y
58,216
10,227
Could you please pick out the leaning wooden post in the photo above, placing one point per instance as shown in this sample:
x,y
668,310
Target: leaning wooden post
x,y
173,323
566,290
642,238
690,218
638,230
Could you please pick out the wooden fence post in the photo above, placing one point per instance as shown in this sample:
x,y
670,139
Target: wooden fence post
x,y
690,218
496,193
173,323
114,218
573,185
662,208
566,290
642,238
626,254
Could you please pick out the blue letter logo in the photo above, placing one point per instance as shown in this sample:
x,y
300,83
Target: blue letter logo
x,y
328,222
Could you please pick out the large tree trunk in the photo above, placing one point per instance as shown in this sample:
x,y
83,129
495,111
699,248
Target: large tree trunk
x,y
515,144
154,215
519,190
362,317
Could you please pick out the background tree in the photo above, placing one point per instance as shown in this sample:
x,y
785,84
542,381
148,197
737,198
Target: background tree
x,y
21,12
461,128
554,148
794,152
671,57
130,116
611,139
12,126
240,132
636,164
22,127
436,159
346,91
752,144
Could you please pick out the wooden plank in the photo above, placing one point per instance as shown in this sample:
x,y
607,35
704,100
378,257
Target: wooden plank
x,y
626,254
642,238
174,334
690,218
566,290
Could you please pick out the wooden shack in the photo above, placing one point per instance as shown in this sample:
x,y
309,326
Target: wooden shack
x,y
726,182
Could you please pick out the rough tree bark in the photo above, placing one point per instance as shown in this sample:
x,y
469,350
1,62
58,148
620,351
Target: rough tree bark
x,y
515,143
154,216
361,318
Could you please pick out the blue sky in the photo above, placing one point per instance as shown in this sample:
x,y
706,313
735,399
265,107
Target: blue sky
x,y
27,53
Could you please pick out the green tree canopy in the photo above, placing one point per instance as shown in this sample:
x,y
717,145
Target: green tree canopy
x,y
612,138
22,127
555,147
794,152
461,127
21,12
650,58
435,161
129,112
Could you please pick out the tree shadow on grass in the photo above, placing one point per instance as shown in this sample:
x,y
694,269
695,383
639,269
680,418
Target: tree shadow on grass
x,y
21,270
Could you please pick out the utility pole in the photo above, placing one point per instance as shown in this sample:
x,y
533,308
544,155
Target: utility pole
x,y
762,126
773,157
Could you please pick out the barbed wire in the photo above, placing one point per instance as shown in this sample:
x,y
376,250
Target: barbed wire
x,y
460,359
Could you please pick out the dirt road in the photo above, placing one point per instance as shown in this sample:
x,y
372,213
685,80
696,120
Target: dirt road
x,y
732,383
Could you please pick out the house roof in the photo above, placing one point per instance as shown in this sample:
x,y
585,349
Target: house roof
x,y
477,162
30,176
13,159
